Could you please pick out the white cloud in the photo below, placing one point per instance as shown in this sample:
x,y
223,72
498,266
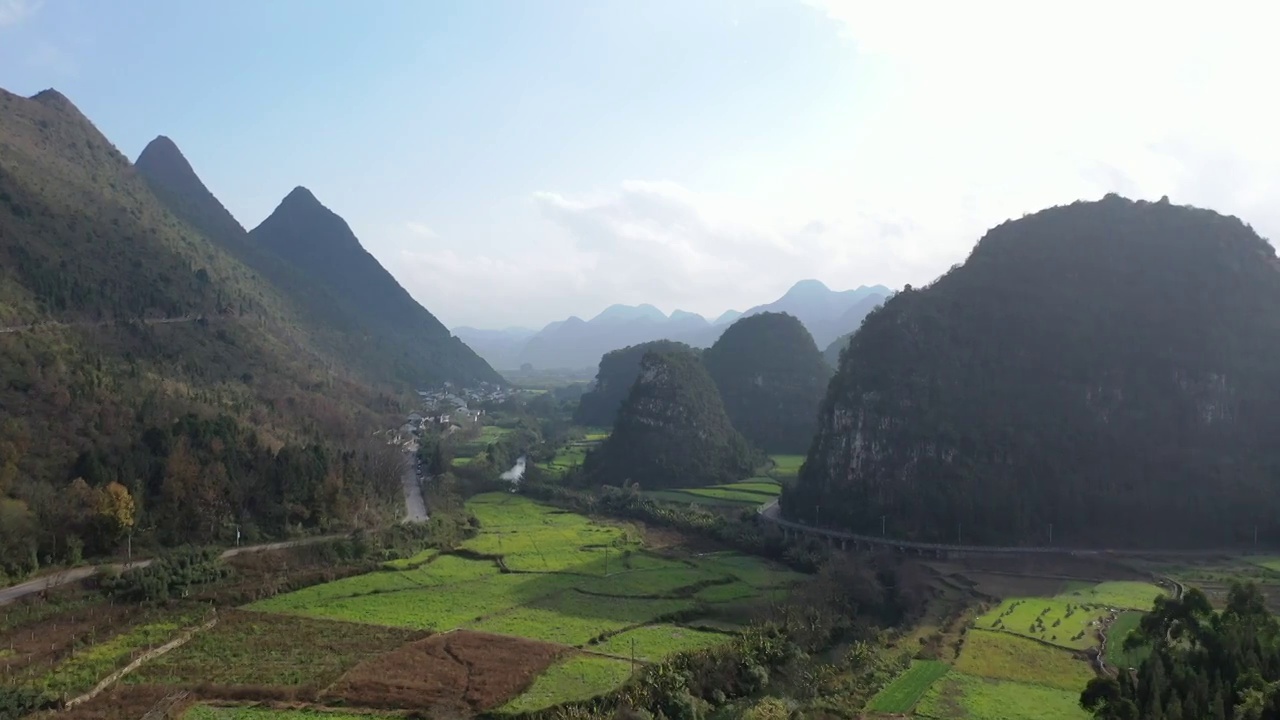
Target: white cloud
x,y
420,230
962,115
13,12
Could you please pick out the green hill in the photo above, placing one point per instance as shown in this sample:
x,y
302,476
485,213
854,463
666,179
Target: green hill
x,y
1105,368
771,378
618,371
320,245
135,350
672,430
320,320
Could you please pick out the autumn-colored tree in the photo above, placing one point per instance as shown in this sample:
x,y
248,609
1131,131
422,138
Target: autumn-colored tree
x,y
117,510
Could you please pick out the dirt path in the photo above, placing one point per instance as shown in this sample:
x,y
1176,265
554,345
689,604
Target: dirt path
x,y
109,680
65,577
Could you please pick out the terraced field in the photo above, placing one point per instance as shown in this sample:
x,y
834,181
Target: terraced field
x,y
549,576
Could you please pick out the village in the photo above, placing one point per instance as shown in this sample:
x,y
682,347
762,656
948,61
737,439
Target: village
x,y
446,410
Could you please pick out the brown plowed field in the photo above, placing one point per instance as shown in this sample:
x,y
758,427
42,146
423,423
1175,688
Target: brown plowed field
x,y
459,672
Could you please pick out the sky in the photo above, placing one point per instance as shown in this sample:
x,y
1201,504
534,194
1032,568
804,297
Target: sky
x,y
513,163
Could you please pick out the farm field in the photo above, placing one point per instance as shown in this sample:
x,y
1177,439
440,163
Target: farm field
x,y
557,579
753,492
249,712
903,693
248,648
786,466
578,678
964,696
1117,656
654,642
1004,656
1070,619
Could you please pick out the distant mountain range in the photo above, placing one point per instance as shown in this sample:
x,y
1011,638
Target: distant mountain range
x,y
575,343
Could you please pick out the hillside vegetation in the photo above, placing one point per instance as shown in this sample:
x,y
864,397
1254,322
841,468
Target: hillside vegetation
x,y
598,407
129,337
771,378
1104,371
322,247
672,430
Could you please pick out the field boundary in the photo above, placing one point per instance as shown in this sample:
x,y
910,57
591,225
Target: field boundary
x,y
111,679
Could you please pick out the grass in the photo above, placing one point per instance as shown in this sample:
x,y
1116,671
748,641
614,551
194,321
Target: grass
x,y
1124,623
1003,656
654,642
558,590
1128,595
249,712
579,678
786,466
573,618
729,492
964,696
247,648
409,563
83,670
1059,622
903,693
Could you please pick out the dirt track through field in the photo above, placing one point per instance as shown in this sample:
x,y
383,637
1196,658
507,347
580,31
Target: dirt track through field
x,y
109,680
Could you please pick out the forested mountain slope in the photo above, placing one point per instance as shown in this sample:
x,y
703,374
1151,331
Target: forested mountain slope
x,y
771,378
672,430
618,371
322,247
1105,368
138,352
376,356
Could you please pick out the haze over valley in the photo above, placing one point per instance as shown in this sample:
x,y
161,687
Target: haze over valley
x,y
803,359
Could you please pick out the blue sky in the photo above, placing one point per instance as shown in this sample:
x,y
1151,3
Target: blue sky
x,y
516,162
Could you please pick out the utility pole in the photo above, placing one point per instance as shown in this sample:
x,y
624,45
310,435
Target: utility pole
x,y
1051,534
882,517
1255,537
958,536
633,655
817,515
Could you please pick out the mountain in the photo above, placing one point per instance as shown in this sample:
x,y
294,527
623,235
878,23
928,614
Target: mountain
x,y
320,245
142,358
578,344
317,318
618,372
771,378
1103,372
671,430
629,313
852,317
499,348
822,310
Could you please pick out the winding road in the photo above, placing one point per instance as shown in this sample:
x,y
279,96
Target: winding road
x,y
76,574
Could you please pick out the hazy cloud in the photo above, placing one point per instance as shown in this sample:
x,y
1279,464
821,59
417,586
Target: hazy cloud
x,y
13,12
420,230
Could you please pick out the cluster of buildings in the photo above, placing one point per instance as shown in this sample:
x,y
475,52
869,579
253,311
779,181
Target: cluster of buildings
x,y
447,407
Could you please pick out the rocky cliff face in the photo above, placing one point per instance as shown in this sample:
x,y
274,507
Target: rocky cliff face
x,y
672,430
618,372
1106,369
771,378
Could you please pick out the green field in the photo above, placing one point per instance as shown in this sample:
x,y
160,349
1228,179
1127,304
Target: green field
x,y
903,693
756,491
1126,595
964,696
578,678
83,670
248,712
574,581
786,466
654,642
1125,623
247,648
1059,622
409,563
1004,656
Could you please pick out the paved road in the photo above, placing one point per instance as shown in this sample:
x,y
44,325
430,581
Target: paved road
x,y
52,580
415,507
53,325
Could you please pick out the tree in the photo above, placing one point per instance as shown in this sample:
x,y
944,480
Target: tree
x,y
117,509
